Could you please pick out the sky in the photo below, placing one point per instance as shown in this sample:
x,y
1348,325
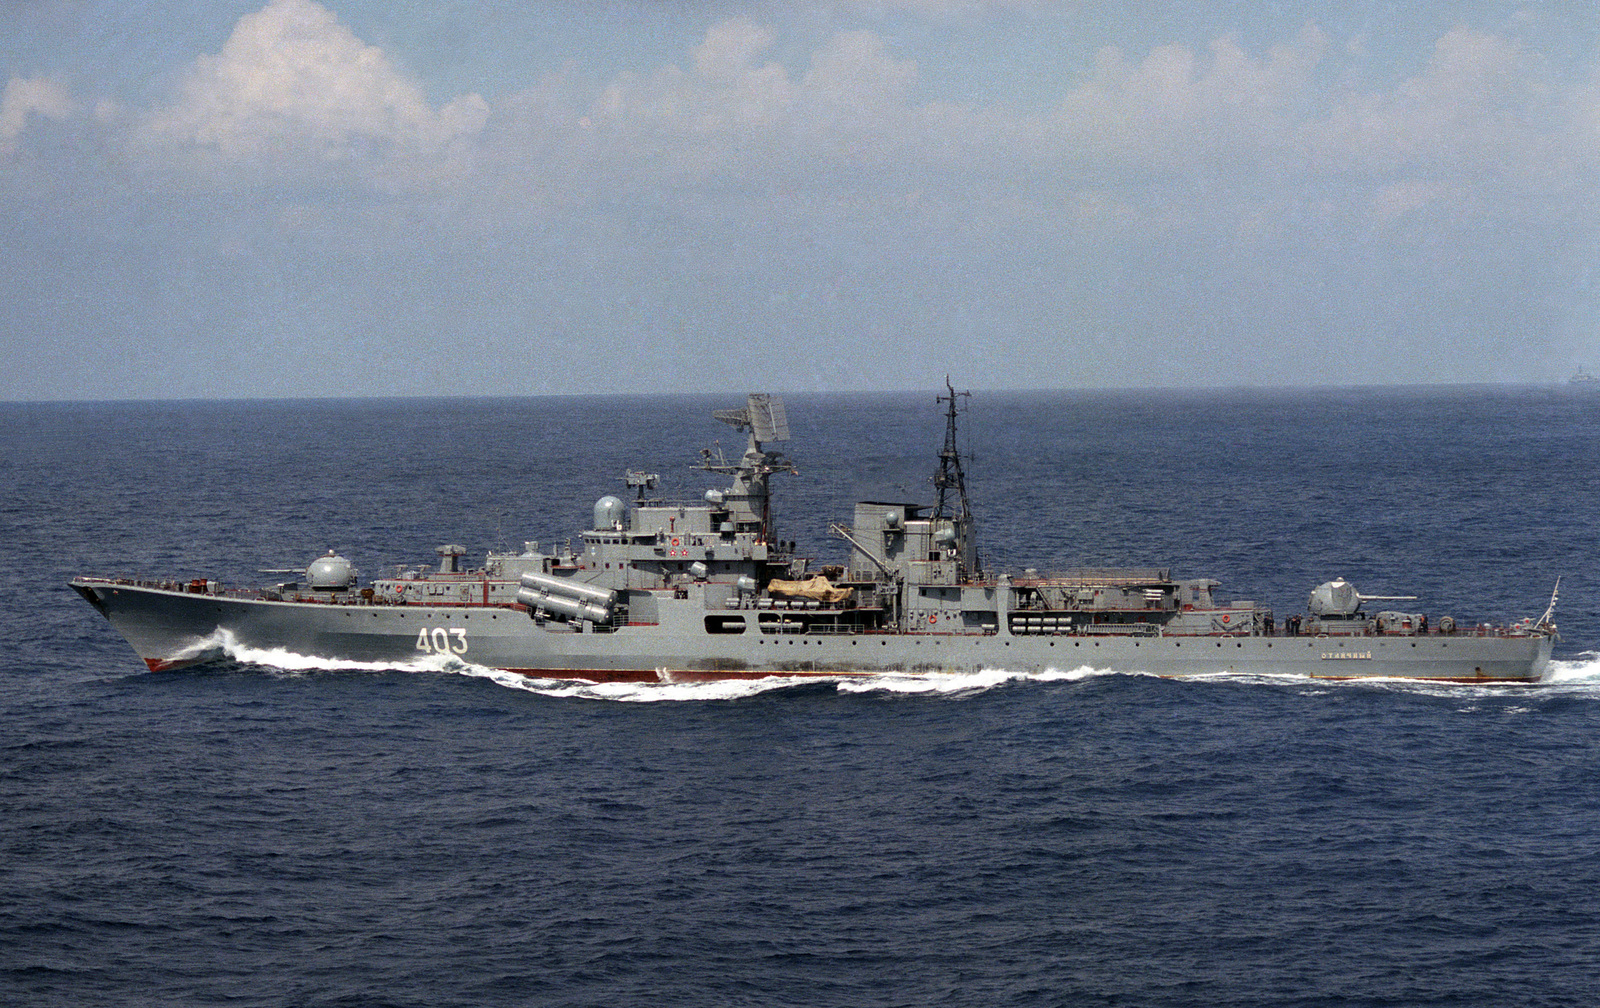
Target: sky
x,y
298,198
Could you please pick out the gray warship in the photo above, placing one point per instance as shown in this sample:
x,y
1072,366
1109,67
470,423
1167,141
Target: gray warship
x,y
663,592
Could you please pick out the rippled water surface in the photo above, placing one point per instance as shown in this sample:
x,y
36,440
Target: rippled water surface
x,y
285,831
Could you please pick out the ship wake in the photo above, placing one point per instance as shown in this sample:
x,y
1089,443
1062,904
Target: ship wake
x,y
1585,668
223,644
930,683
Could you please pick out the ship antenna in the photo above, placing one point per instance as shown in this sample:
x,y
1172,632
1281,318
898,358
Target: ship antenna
x,y
952,479
1549,614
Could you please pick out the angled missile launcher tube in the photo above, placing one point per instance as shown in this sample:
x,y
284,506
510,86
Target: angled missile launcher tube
x,y
573,599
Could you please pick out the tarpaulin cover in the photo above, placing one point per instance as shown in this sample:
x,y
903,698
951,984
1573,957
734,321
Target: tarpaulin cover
x,y
819,588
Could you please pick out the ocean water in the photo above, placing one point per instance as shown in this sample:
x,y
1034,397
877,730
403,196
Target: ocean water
x,y
278,830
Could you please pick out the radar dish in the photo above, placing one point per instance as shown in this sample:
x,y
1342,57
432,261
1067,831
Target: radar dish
x,y
763,415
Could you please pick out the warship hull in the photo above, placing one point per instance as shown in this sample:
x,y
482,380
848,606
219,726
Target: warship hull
x,y
169,628
675,591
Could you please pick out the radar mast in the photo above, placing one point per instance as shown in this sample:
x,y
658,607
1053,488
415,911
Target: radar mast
x,y
951,480
747,500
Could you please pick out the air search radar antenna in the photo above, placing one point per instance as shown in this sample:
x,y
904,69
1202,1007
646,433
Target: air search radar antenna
x,y
763,416
766,420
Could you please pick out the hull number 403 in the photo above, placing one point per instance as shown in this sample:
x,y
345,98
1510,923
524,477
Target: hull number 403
x,y
442,640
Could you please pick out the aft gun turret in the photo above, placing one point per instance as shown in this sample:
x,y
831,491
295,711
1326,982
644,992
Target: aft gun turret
x,y
1338,599
1336,608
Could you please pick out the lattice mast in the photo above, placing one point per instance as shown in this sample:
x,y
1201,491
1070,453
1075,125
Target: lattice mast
x,y
952,482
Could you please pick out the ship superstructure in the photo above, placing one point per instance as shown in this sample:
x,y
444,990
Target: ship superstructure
x,y
660,591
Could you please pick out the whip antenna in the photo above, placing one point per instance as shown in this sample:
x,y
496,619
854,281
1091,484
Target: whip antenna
x,y
1551,611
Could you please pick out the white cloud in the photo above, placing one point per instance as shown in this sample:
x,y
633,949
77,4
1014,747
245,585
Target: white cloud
x,y
292,87
1222,109
856,72
292,78
732,111
1175,104
727,89
1481,106
730,49
31,96
1583,117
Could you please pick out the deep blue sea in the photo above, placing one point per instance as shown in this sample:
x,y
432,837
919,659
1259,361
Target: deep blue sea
x,y
289,832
